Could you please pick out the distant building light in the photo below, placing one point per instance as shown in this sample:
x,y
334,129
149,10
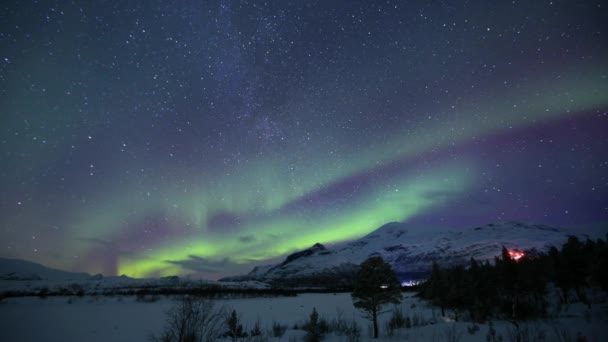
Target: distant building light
x,y
408,283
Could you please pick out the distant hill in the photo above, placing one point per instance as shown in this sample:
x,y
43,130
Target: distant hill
x,y
411,252
16,269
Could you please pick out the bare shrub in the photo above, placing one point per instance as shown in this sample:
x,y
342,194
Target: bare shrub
x,y
257,330
354,332
561,333
193,319
472,329
397,321
339,325
417,320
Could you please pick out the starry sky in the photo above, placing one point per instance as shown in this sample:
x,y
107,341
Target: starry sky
x,y
205,137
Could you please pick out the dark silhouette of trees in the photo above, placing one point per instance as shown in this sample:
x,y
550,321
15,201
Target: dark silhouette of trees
x,y
597,269
375,285
516,289
437,288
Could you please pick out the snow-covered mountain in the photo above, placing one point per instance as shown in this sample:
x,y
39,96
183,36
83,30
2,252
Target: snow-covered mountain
x,y
16,269
409,251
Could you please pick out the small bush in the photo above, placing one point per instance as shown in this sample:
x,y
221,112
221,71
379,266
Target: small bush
x,y
491,336
76,289
146,298
389,330
397,320
472,329
354,333
278,330
452,334
256,331
339,325
416,320
43,293
342,327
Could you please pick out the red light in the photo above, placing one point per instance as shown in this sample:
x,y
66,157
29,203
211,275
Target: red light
x,y
515,254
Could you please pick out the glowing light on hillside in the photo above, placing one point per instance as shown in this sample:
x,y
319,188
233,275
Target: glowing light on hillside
x,y
515,254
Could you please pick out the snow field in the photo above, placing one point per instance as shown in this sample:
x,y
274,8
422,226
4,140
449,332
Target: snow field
x,y
125,319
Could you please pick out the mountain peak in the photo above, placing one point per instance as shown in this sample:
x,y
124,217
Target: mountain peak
x,y
392,229
316,248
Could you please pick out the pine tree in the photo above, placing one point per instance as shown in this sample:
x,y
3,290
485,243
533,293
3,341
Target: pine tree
x,y
375,285
508,277
436,288
574,262
235,328
600,264
313,328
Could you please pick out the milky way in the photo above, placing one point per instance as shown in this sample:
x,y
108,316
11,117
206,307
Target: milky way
x,y
209,136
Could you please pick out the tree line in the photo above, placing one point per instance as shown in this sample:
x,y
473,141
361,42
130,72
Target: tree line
x,y
517,289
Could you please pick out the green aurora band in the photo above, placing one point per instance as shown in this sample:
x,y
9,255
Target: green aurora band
x,y
262,189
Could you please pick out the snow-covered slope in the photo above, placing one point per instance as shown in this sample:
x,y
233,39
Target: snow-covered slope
x,y
303,269
409,251
16,269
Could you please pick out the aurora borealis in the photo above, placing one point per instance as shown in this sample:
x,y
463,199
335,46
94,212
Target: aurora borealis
x,y
206,137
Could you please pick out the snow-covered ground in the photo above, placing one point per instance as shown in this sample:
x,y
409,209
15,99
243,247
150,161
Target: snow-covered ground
x,y
101,318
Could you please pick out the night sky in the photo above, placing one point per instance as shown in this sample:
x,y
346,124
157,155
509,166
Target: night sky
x,y
180,137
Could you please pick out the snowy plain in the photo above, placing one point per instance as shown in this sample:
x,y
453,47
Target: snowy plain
x,y
123,318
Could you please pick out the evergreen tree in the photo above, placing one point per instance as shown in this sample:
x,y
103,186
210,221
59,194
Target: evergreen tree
x,y
560,273
574,262
599,265
313,328
436,288
235,328
375,285
481,290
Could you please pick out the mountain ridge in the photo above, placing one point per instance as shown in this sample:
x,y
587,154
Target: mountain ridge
x,y
18,269
409,251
